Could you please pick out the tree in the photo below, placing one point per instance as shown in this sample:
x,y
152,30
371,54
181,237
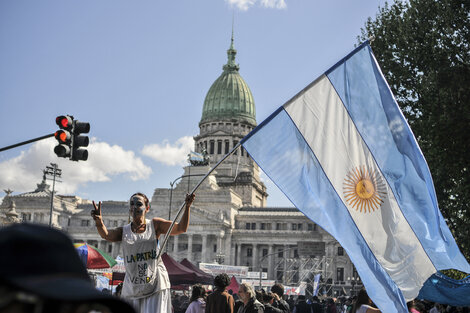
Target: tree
x,y
422,47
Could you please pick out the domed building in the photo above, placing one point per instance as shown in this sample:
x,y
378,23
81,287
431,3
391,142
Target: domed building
x,y
230,225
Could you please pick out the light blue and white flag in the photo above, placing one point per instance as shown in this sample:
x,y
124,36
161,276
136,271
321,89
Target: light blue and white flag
x,y
343,153
316,284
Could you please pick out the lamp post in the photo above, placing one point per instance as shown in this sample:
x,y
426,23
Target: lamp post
x,y
220,258
53,171
353,280
171,195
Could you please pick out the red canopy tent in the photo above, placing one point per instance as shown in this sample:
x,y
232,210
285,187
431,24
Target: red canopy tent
x,y
233,285
180,274
206,278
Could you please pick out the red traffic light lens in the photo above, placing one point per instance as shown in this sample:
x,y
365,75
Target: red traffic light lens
x,y
62,136
64,121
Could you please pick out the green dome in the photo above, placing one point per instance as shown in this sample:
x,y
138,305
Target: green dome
x,y
229,96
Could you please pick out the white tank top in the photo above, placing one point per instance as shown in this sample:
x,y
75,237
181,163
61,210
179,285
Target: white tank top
x,y
144,274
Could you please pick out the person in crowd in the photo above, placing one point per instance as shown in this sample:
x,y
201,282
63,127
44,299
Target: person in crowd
x,y
437,308
220,301
316,306
291,302
118,291
302,306
331,306
268,299
363,303
146,284
415,306
197,302
40,271
278,292
250,303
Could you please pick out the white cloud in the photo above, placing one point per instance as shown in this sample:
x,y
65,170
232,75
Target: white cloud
x,y
244,5
170,154
22,173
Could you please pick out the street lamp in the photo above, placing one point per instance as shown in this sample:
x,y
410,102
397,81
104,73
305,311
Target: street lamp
x,y
352,281
220,258
171,194
53,171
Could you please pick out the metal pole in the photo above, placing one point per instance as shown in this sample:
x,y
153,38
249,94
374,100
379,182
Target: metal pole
x,y
167,235
54,173
26,142
171,195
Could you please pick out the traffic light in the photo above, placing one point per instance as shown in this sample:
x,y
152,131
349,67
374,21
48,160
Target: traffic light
x,y
64,136
79,141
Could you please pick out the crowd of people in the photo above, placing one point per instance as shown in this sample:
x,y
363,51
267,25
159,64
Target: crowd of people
x,y
57,280
247,300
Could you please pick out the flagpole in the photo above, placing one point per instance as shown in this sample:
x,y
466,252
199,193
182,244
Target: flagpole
x,y
167,235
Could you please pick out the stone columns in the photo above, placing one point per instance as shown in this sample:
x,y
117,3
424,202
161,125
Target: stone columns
x,y
228,248
270,262
255,258
204,251
190,247
175,246
232,254
239,254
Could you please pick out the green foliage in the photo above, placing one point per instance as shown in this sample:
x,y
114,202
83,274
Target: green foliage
x,y
422,47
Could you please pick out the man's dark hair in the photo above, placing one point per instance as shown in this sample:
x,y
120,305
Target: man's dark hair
x,y
278,289
267,297
221,281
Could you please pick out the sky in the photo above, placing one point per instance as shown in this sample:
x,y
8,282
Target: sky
x,y
138,72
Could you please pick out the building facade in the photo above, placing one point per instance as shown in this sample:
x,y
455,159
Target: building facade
x,y
230,223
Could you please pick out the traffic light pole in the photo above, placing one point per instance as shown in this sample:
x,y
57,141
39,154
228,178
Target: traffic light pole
x,y
26,142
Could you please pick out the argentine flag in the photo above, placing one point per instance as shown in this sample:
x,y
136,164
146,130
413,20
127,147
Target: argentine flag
x,y
343,153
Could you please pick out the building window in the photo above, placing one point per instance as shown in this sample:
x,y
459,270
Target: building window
x,y
249,252
205,145
247,225
265,252
340,251
85,223
262,226
243,151
294,226
340,274
197,247
299,226
268,226
211,149
115,223
310,227
235,142
227,146
280,254
253,226
26,217
296,253
219,146
110,248
278,226
215,248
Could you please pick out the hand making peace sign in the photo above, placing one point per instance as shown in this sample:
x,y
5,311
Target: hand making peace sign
x,y
96,213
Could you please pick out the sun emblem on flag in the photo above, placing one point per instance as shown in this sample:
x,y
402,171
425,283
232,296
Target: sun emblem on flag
x,y
364,190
